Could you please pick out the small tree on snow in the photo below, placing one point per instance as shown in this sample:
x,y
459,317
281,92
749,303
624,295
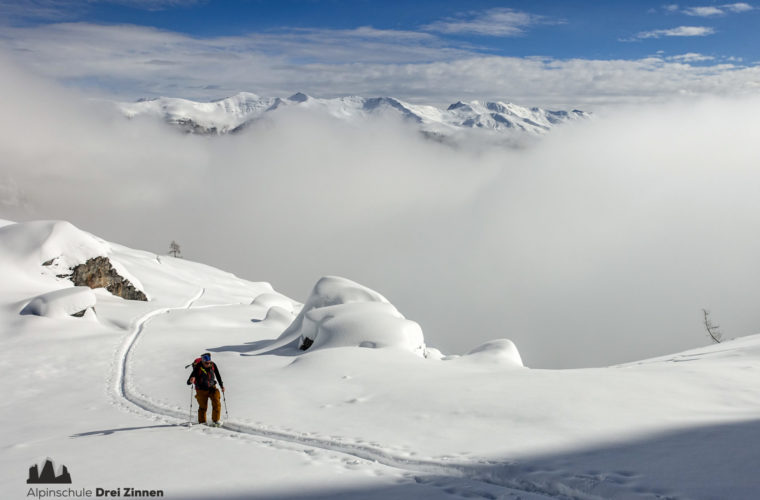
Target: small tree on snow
x,y
712,330
174,249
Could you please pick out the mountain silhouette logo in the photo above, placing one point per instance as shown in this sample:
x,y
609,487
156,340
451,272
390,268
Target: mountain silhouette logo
x,y
47,476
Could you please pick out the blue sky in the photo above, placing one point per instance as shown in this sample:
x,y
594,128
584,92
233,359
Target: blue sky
x,y
423,48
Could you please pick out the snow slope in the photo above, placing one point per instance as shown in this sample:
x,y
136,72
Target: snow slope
x,y
234,113
106,396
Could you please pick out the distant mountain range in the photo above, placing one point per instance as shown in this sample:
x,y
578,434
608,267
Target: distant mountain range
x,y
233,114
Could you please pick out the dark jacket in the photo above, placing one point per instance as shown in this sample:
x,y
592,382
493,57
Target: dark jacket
x,y
206,378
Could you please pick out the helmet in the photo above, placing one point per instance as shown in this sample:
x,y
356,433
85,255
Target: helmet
x,y
206,357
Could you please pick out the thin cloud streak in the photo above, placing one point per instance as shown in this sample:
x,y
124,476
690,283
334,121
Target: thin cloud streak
x,y
680,31
41,10
739,7
704,11
690,57
65,10
157,5
500,22
719,10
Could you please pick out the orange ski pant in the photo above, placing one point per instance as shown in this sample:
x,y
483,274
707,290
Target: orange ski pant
x,y
216,404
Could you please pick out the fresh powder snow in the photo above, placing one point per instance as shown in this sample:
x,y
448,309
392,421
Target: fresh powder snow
x,y
368,410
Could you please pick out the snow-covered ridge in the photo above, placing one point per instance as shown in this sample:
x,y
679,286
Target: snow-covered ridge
x,y
235,113
37,257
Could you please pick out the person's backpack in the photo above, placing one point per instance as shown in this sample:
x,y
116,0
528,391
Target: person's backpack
x,y
197,361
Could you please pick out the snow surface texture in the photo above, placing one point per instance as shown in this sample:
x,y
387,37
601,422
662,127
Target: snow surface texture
x,y
108,399
234,113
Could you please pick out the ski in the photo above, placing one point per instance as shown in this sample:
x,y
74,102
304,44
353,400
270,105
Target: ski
x,y
207,424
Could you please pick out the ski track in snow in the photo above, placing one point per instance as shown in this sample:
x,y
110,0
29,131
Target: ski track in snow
x,y
439,473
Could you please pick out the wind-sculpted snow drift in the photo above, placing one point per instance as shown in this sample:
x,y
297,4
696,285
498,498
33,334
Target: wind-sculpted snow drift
x,y
341,313
500,351
61,303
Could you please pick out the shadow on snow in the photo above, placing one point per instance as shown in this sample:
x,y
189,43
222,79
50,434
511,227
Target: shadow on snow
x,y
706,462
107,432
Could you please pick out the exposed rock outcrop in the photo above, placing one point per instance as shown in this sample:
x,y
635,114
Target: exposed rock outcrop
x,y
99,273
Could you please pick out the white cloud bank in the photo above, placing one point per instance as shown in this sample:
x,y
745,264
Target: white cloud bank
x,y
132,62
599,245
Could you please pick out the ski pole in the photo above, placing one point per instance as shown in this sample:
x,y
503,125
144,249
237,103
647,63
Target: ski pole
x,y
190,417
226,413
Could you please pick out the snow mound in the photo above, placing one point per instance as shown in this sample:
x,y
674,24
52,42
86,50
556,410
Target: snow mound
x,y
342,313
59,244
501,351
61,303
278,314
273,299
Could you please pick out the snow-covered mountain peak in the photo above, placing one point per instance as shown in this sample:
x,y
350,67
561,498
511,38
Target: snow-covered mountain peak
x,y
240,97
299,97
233,113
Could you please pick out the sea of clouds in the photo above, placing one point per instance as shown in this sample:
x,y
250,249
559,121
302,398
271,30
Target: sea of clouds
x,y
599,244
